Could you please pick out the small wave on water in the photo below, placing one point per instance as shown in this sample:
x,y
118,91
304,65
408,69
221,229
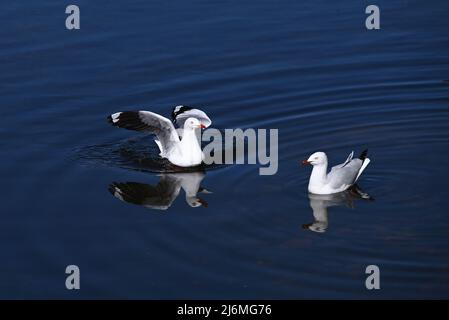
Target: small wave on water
x,y
139,154
311,71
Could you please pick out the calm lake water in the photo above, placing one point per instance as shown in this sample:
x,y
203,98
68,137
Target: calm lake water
x,y
308,68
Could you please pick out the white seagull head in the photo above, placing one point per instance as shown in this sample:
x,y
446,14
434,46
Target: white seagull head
x,y
192,124
318,158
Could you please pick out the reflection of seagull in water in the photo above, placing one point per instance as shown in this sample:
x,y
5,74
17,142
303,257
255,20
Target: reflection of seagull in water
x,y
180,148
320,202
162,195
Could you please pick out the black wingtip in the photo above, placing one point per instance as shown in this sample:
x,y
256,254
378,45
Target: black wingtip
x,y
364,154
111,188
182,109
130,120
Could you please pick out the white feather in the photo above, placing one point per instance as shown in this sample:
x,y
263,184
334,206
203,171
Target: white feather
x,y
364,165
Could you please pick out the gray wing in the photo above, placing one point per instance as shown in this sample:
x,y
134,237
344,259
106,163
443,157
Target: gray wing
x,y
158,197
344,175
149,122
181,113
348,159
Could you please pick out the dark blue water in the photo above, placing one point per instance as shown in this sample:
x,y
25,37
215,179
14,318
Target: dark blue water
x,y
308,68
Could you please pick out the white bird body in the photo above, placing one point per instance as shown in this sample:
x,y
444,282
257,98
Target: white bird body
x,y
182,151
340,178
186,153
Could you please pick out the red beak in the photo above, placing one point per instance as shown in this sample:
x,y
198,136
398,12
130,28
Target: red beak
x,y
305,162
202,126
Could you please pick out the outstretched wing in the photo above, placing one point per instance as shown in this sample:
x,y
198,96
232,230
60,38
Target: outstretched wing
x,y
149,122
181,113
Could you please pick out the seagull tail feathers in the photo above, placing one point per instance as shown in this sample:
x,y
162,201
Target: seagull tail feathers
x,y
363,155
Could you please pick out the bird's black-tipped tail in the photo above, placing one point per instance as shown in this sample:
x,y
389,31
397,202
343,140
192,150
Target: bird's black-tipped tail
x,y
363,155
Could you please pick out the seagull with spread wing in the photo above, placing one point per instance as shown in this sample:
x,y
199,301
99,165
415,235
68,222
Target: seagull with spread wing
x,y
181,149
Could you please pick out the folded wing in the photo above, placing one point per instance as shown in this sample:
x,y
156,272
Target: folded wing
x,y
347,173
344,176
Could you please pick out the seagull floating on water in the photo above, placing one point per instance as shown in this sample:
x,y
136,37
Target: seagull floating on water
x,y
340,178
182,148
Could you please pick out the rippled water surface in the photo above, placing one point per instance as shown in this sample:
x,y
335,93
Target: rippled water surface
x,y
307,68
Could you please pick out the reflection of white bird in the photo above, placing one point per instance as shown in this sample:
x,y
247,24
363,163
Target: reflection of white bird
x,y
162,195
340,178
182,151
320,202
